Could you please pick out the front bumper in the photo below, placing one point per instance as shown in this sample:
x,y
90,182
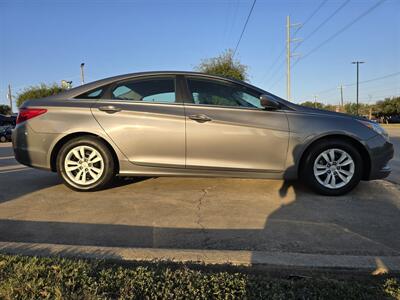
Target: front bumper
x,y
381,152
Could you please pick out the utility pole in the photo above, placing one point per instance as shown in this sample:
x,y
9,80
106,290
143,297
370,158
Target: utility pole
x,y
370,107
341,95
289,40
82,74
358,67
9,96
288,58
315,101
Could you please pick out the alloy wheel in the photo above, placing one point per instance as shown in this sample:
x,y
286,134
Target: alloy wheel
x,y
334,168
84,165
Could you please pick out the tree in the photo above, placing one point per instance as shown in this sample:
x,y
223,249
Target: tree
x,y
38,91
5,109
388,107
224,65
312,104
332,107
351,108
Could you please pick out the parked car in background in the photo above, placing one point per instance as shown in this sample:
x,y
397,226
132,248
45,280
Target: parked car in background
x,y
5,134
8,120
193,124
393,119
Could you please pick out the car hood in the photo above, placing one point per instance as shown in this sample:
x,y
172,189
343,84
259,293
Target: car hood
x,y
324,112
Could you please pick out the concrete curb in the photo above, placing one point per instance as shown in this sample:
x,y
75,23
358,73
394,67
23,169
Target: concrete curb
x,y
375,264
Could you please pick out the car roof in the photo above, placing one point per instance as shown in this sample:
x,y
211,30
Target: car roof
x,y
74,92
71,93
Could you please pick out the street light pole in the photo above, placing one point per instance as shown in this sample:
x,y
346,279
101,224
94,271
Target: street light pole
x,y
82,74
358,71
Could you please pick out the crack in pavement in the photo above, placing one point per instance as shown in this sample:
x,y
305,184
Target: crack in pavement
x,y
199,215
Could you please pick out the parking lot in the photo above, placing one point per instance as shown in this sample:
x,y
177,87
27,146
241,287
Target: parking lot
x,y
200,214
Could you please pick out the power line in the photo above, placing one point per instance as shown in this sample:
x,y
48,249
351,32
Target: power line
x,y
377,98
275,62
374,90
324,22
244,27
375,79
369,10
311,15
361,82
278,80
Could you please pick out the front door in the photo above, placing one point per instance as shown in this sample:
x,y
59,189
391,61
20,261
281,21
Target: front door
x,y
145,121
226,129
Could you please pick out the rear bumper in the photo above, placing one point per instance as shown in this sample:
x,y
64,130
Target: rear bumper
x,y
381,152
31,148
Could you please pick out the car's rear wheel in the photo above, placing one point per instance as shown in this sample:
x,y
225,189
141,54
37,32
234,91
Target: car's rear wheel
x,y
3,139
85,164
332,167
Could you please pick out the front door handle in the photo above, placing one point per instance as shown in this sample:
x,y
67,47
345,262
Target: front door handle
x,y
110,109
200,118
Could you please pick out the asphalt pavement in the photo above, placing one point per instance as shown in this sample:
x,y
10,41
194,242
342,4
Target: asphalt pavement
x,y
237,217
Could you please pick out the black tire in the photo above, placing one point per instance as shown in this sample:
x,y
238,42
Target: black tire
x,y
307,167
105,178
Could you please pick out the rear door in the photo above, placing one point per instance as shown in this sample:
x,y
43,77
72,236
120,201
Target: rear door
x,y
226,129
144,119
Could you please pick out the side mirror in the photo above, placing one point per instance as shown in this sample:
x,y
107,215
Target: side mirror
x,y
268,102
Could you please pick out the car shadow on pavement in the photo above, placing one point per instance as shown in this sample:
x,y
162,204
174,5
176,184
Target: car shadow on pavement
x,y
305,224
31,180
355,224
28,181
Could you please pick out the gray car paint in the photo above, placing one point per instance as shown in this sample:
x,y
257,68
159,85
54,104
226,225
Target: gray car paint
x,y
238,142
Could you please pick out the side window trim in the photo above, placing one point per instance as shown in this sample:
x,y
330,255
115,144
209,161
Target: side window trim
x,y
180,89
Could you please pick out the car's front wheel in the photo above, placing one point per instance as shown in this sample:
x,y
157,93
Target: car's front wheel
x,y
85,164
332,167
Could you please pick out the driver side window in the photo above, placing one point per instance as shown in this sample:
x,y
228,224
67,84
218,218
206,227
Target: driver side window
x,y
208,92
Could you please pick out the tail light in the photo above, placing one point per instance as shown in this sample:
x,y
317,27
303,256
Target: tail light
x,y
29,113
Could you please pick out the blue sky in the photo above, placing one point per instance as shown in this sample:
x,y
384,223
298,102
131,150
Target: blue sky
x,y
45,41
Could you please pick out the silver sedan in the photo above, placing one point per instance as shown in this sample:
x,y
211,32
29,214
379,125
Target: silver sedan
x,y
192,124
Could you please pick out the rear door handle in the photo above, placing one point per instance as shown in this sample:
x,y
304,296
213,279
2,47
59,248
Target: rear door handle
x,y
200,118
110,109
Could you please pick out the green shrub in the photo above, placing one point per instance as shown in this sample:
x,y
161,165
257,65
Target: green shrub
x,y
5,109
224,65
37,92
55,278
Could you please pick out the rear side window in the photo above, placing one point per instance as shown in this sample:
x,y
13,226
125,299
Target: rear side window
x,y
161,90
93,94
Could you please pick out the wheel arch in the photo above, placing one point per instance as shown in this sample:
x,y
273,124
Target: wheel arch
x,y
354,142
65,139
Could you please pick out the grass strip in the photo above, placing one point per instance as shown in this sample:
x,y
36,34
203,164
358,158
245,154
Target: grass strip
x,y
24,277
